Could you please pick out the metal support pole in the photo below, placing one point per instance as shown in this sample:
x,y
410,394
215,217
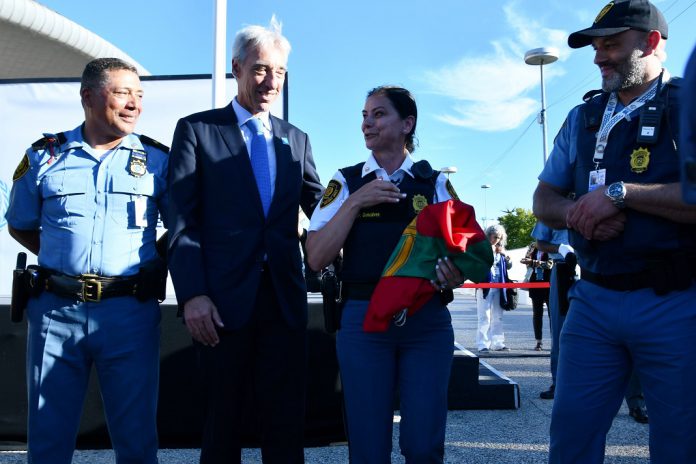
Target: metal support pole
x,y
540,57
219,52
543,112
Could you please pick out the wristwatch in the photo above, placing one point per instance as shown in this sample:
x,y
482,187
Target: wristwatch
x,y
617,194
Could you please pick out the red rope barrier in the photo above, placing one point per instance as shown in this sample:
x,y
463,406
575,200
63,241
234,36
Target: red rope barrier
x,y
508,285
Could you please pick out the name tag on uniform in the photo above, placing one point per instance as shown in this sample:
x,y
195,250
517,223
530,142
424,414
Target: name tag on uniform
x,y
597,179
141,211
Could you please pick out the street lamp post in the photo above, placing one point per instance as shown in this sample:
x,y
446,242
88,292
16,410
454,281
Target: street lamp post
x,y
485,187
449,170
540,57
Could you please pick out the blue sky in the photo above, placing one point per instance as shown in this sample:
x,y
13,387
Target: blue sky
x,y
463,60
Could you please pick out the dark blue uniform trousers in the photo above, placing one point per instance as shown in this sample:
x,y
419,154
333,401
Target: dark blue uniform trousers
x,y
416,359
606,334
120,337
557,320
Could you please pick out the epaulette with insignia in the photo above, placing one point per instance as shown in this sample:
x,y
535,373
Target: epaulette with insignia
x,y
591,94
153,143
47,140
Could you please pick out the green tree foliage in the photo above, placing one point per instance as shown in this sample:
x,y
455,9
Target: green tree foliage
x,y
518,223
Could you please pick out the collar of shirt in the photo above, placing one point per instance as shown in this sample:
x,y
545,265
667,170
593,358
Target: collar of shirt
x,y
371,165
243,116
75,140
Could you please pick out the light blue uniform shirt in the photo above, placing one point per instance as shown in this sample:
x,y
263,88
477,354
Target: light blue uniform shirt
x,y
85,207
559,169
554,236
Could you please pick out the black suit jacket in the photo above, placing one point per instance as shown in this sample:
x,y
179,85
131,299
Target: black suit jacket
x,y
218,235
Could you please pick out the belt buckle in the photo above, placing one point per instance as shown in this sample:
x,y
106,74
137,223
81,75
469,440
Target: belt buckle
x,y
91,288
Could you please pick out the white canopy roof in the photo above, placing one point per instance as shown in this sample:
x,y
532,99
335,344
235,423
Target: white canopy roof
x,y
38,42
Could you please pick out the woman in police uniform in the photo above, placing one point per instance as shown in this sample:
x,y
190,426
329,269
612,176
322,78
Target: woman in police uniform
x,y
364,211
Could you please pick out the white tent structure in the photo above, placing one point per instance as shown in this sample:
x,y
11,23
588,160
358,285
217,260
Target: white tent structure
x,y
37,42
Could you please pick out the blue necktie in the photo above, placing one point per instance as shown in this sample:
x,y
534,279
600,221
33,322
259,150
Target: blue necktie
x,y
259,162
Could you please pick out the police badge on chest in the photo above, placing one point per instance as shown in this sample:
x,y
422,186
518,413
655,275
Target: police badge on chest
x,y
137,166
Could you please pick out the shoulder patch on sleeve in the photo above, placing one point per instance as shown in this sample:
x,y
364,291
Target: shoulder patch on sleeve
x,y
450,190
22,168
331,192
153,143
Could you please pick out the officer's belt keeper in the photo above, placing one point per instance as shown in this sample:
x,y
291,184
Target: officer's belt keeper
x,y
662,276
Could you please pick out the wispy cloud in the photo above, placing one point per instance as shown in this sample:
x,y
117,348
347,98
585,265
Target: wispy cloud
x,y
492,92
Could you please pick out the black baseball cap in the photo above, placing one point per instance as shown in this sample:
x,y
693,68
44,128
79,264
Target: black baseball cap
x,y
619,16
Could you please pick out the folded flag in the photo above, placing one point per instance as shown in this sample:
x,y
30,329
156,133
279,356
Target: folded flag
x,y
443,229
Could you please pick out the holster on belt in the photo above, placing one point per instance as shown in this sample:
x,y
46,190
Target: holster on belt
x,y
20,294
565,278
27,282
332,304
672,274
152,281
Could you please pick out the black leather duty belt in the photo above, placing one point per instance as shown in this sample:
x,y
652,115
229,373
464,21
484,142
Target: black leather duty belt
x,y
619,282
357,291
662,279
90,287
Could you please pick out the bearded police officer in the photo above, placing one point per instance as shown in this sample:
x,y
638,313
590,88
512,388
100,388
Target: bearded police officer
x,y
635,242
87,202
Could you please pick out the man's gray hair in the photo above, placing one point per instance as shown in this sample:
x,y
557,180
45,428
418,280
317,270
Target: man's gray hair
x,y
253,37
95,75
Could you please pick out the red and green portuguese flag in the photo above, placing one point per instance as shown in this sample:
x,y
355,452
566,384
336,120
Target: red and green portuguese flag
x,y
443,229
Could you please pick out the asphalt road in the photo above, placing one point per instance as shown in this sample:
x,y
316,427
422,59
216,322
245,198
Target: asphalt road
x,y
477,437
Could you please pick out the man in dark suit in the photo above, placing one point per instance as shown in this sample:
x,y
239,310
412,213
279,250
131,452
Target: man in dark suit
x,y
237,178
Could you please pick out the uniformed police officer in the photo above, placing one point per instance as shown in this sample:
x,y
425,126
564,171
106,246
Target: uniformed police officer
x,y
550,240
635,242
87,202
364,211
688,133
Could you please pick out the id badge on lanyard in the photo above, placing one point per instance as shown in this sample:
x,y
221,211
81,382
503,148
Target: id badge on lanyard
x,y
598,176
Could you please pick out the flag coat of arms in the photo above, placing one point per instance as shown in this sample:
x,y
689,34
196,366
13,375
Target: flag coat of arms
x,y
446,229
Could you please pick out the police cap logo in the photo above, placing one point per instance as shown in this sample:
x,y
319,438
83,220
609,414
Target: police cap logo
x,y
331,192
603,12
22,168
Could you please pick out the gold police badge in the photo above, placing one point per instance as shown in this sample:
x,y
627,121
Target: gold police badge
x,y
22,168
419,202
640,158
331,192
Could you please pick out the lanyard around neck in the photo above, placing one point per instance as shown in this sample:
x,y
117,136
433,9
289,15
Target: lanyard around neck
x,y
610,120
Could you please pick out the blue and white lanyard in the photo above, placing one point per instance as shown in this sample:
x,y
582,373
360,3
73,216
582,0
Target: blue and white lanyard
x,y
609,120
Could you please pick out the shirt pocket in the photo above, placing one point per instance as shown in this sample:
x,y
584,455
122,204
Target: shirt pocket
x,y
64,198
131,201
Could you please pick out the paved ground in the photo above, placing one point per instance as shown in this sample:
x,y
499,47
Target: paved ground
x,y
476,437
